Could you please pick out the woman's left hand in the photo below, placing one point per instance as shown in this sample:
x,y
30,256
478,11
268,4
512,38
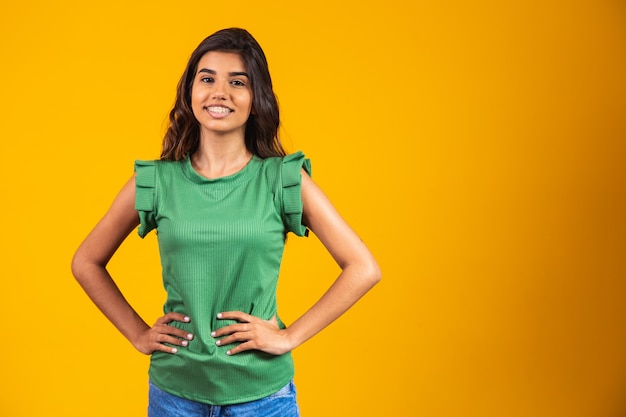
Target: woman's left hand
x,y
252,333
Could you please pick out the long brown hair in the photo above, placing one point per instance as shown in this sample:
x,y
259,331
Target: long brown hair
x,y
261,137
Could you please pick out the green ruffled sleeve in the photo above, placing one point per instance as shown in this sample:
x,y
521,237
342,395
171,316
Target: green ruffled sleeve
x,y
291,174
145,179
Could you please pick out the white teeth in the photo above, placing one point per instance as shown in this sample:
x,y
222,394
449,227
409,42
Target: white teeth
x,y
215,109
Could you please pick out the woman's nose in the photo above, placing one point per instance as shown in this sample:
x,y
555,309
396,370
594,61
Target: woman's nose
x,y
219,91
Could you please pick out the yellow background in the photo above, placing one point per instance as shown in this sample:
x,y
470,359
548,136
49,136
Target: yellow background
x,y
477,147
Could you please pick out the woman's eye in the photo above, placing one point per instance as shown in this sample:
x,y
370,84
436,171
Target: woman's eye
x,y
238,83
206,79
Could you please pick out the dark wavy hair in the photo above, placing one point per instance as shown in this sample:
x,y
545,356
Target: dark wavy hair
x,y
261,137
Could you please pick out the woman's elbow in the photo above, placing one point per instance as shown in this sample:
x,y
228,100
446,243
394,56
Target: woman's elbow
x,y
375,273
80,266
77,266
370,272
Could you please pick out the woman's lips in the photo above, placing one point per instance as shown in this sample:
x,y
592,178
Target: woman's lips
x,y
218,111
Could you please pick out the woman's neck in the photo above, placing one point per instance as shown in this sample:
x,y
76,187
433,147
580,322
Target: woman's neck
x,y
218,158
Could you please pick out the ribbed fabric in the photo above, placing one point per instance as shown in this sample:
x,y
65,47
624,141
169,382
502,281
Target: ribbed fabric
x,y
221,243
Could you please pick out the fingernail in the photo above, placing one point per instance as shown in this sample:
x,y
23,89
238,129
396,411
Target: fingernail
x,y
189,336
228,352
219,342
186,318
219,315
174,350
184,343
213,334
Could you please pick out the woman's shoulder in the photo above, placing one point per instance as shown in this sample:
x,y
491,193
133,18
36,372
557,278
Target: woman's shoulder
x,y
149,172
283,164
280,160
154,164
296,162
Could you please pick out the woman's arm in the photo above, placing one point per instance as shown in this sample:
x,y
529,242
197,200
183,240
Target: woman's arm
x,y
359,273
89,268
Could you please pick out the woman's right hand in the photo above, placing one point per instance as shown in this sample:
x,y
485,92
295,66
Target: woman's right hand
x,y
154,338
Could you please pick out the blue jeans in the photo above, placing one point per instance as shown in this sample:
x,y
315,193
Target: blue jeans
x,y
280,404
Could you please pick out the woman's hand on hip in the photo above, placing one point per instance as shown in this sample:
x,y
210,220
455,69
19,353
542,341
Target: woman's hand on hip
x,y
252,333
154,338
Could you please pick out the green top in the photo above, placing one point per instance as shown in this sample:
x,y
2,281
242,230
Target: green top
x,y
221,243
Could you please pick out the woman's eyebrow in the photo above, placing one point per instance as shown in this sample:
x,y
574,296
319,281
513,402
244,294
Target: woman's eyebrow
x,y
232,74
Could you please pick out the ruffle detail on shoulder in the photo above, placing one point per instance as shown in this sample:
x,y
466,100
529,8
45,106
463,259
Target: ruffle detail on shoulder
x,y
291,174
145,179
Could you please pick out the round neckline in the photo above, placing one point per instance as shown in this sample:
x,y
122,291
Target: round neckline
x,y
238,177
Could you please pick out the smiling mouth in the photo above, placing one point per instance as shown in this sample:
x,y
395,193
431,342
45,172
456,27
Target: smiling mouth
x,y
218,109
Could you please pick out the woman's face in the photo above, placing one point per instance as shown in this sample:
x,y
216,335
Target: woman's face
x,y
221,95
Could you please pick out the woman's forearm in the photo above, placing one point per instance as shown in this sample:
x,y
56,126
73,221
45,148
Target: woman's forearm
x,y
102,290
348,288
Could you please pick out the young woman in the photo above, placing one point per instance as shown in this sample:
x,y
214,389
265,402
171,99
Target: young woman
x,y
222,197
